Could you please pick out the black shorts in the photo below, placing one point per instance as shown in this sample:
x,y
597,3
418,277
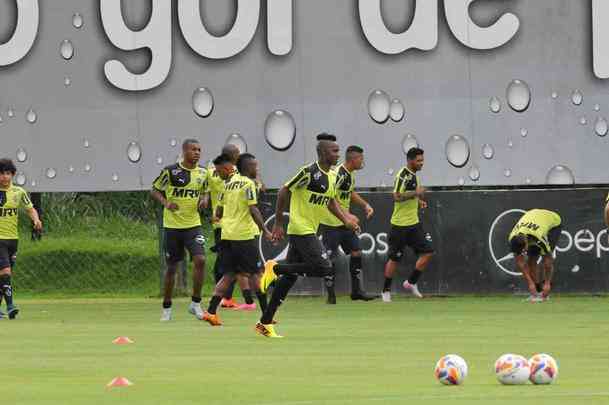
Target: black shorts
x,y
176,240
307,249
412,236
240,256
8,252
334,237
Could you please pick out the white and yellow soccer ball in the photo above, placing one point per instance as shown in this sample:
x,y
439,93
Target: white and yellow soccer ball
x,y
451,370
512,369
544,369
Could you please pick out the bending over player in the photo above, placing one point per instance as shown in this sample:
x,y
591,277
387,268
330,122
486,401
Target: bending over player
x,y
535,235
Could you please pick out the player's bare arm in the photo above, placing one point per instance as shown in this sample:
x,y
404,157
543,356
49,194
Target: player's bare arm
x,y
33,214
158,196
283,197
357,199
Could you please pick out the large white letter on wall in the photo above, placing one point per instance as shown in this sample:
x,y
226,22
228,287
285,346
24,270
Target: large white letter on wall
x,y
28,18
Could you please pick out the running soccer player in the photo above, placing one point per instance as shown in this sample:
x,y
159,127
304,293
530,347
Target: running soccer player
x,y
406,228
310,194
216,187
242,223
335,234
179,189
12,198
536,234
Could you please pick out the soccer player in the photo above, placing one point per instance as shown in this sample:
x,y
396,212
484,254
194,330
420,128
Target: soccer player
x,y
216,187
536,234
310,194
12,198
406,229
242,223
335,234
179,189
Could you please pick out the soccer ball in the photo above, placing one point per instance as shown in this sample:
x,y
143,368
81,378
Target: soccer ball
x,y
451,370
544,369
512,369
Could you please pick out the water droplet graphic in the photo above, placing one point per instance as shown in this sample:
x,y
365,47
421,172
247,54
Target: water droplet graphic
x,y
86,143
528,180
410,141
77,20
238,141
280,130
115,177
33,183
518,95
457,150
159,160
71,169
20,179
396,111
461,181
597,107
0,119
173,142
488,151
507,173
510,144
494,105
583,121
134,152
21,155
383,184
560,175
51,173
474,173
577,97
66,49
390,172
10,113
601,127
202,102
87,168
575,269
379,106
524,132
67,81
31,116
554,95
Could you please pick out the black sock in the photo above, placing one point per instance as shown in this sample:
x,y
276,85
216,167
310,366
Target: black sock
x,y
261,300
247,296
539,287
213,304
355,269
229,291
196,299
7,289
167,304
387,285
282,288
414,276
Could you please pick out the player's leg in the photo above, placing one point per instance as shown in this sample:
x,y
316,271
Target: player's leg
x,y
194,241
174,251
351,246
397,243
8,251
211,315
249,263
331,237
421,242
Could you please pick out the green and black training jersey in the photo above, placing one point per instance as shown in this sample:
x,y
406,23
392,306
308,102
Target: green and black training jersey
x,y
238,196
11,200
183,187
405,213
312,189
345,185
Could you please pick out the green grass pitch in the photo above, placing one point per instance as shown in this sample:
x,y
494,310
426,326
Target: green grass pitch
x,y
60,352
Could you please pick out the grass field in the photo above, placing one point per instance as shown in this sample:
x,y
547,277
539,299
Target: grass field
x,y
60,352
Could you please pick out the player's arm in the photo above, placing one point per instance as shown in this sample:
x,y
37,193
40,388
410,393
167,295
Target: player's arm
x,y
26,204
524,267
401,193
158,187
217,216
346,218
358,200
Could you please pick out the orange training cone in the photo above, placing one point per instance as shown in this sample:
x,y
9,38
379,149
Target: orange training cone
x,y
122,340
119,382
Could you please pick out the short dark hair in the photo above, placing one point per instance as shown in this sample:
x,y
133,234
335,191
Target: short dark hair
x,y
354,149
414,152
243,158
189,141
222,159
324,136
7,165
517,244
